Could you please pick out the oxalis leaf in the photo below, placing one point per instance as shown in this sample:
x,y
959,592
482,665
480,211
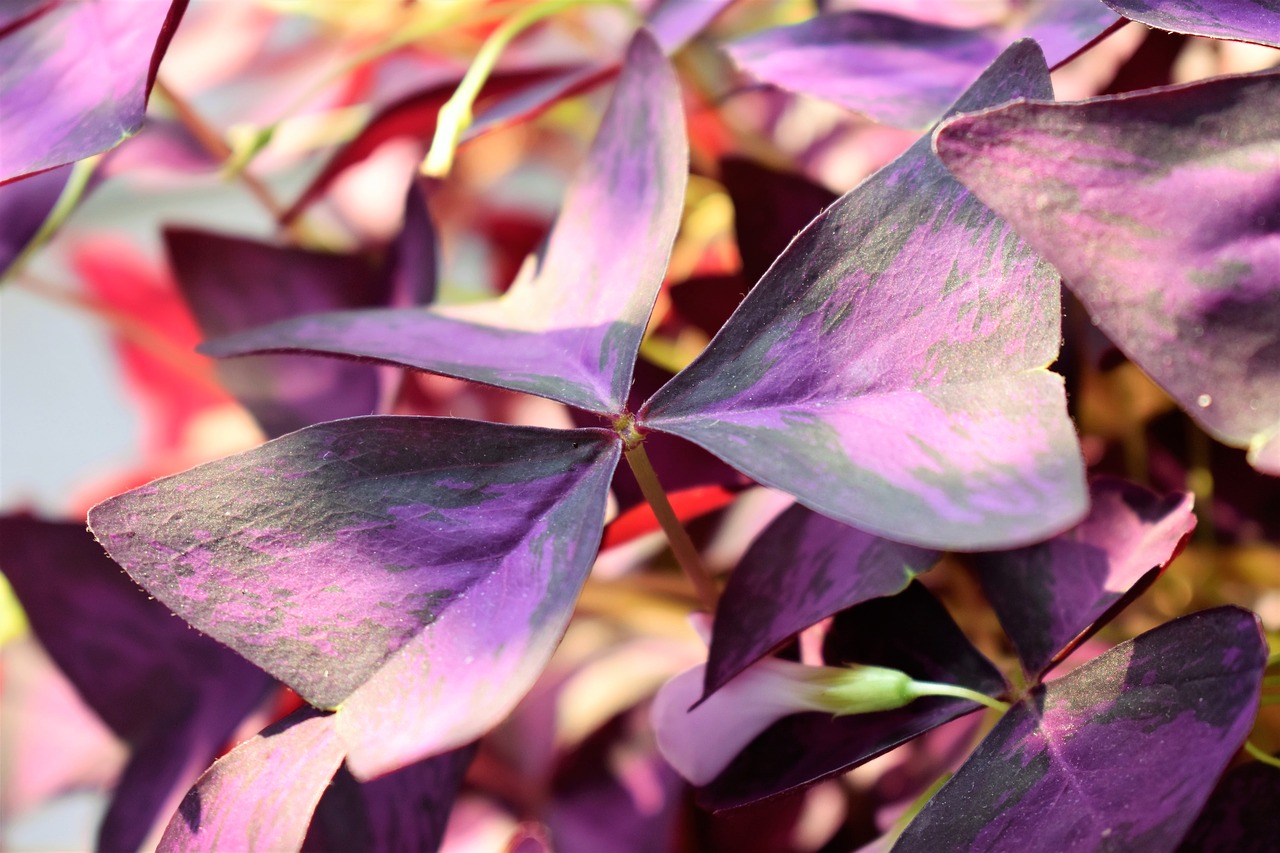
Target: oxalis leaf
x,y
571,330
1119,754
75,76
902,72
416,573
888,370
1159,209
1256,21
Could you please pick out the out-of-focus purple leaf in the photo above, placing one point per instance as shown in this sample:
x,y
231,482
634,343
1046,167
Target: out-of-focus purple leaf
x,y
24,206
404,810
1052,596
232,284
1257,21
425,565
174,695
571,331
803,568
906,73
910,631
163,150
412,265
888,370
1118,754
260,796
674,22
1241,815
75,76
1159,209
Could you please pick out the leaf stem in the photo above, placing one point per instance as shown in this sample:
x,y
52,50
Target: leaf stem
x,y
455,115
934,688
68,200
1257,753
681,545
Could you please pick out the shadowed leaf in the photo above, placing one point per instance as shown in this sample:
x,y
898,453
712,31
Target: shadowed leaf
x,y
75,76
572,329
1159,209
416,571
1257,21
1241,812
1118,754
1050,597
888,369
906,73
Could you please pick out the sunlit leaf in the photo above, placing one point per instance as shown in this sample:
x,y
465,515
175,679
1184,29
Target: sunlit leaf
x,y
1051,596
571,331
418,572
1118,754
1159,209
803,568
75,76
889,368
902,72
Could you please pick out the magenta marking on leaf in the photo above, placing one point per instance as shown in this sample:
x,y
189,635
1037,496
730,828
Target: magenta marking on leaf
x,y
1121,752
903,72
1159,209
1052,596
888,369
571,330
1256,21
803,568
76,77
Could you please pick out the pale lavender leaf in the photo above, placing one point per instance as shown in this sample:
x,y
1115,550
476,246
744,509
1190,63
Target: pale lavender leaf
x,y
888,370
1255,21
232,283
1050,597
675,22
75,76
1118,754
571,330
902,72
260,796
173,695
416,571
1159,209
803,568
404,810
910,631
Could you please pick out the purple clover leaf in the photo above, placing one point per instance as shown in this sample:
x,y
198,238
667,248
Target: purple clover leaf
x,y
75,77
1158,208
888,370
902,72
1256,21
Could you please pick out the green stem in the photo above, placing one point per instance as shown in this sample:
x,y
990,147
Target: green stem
x,y
681,545
67,202
1257,753
455,115
934,688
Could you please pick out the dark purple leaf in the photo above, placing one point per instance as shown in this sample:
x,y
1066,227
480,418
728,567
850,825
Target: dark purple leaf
x,y
889,368
425,565
412,264
404,810
1118,754
24,206
1257,21
174,695
75,78
1050,597
571,331
1159,209
1241,815
260,796
906,73
232,284
803,568
911,632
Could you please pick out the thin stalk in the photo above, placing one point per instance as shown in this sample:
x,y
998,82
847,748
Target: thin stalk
x,y
67,202
1257,753
681,545
456,115
934,688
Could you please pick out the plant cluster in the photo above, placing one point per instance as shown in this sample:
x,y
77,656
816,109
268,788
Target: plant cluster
x,y
937,637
